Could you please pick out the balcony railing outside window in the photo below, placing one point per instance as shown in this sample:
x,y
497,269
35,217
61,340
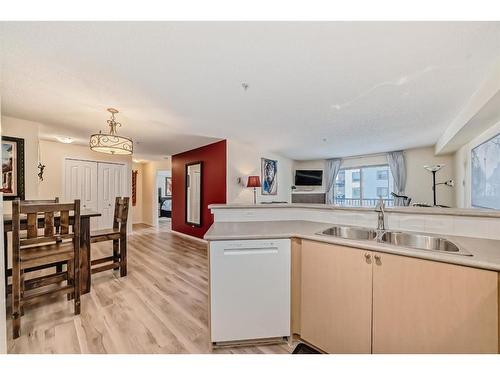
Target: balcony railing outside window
x,y
365,202
363,186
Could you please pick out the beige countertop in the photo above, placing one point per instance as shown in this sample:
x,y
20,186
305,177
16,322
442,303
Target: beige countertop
x,y
485,253
403,210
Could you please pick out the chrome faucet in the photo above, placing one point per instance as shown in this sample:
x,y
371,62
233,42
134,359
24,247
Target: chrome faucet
x,y
380,209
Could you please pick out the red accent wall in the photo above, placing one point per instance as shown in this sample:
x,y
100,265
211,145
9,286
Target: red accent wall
x,y
213,185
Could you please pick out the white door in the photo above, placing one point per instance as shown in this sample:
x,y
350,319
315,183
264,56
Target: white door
x,y
81,183
111,185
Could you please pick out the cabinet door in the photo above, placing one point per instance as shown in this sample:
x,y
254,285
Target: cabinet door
x,y
336,302
111,185
423,306
80,182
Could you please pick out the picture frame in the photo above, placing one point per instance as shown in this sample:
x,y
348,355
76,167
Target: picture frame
x,y
12,168
134,187
269,176
168,186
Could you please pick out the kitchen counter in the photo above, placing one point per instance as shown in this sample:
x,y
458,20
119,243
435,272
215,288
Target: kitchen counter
x,y
485,252
471,212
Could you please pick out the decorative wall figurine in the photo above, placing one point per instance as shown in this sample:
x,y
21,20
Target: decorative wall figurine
x,y
41,168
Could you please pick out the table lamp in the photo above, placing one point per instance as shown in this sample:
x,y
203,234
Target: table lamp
x,y
254,182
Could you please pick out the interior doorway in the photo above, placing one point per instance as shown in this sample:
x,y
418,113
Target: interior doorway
x,y
164,198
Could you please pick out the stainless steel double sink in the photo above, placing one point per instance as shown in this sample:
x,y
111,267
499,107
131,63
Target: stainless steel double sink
x,y
419,241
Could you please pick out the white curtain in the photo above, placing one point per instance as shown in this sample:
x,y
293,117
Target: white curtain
x,y
331,172
397,163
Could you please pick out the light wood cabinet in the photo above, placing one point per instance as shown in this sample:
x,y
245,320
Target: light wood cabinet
x,y
296,280
357,301
336,301
421,306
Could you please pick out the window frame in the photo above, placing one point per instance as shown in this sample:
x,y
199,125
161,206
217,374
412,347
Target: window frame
x,y
360,168
382,187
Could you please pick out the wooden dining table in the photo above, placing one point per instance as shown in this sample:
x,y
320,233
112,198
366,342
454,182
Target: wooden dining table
x,y
85,267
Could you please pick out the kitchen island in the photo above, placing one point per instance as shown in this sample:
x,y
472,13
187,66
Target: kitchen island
x,y
366,296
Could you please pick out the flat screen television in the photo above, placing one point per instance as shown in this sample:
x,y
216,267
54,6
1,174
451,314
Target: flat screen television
x,y
308,177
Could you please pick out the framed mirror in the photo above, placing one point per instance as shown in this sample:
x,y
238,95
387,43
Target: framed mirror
x,y
193,193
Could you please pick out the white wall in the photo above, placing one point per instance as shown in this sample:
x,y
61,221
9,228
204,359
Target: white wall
x,y
419,180
149,192
311,165
160,181
145,210
52,154
243,160
137,210
463,166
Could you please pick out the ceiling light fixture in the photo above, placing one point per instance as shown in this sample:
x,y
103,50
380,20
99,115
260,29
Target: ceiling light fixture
x,y
65,139
111,143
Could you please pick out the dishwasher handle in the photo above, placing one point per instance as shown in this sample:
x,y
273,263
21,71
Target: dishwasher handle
x,y
251,251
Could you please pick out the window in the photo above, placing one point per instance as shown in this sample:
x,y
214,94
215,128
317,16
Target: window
x,y
340,185
382,191
382,174
356,192
485,176
363,186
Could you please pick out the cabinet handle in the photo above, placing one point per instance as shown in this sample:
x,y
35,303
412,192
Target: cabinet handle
x,y
377,258
367,256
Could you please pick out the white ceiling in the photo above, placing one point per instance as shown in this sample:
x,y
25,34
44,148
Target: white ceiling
x,y
316,90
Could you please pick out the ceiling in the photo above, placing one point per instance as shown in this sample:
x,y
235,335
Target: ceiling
x,y
315,90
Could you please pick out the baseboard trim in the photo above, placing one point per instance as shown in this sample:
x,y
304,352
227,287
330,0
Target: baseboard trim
x,y
190,237
142,223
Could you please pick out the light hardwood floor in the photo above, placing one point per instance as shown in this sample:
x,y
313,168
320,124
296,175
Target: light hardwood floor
x,y
160,307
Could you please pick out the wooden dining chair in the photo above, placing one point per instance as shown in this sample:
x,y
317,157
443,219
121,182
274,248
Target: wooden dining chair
x,y
39,201
117,234
8,271
34,249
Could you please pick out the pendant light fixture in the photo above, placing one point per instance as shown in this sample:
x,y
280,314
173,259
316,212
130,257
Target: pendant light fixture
x,y
111,143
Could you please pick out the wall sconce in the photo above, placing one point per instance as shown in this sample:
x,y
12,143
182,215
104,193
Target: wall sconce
x,y
242,181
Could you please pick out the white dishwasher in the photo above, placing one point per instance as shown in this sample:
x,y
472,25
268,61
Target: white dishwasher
x,y
249,289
